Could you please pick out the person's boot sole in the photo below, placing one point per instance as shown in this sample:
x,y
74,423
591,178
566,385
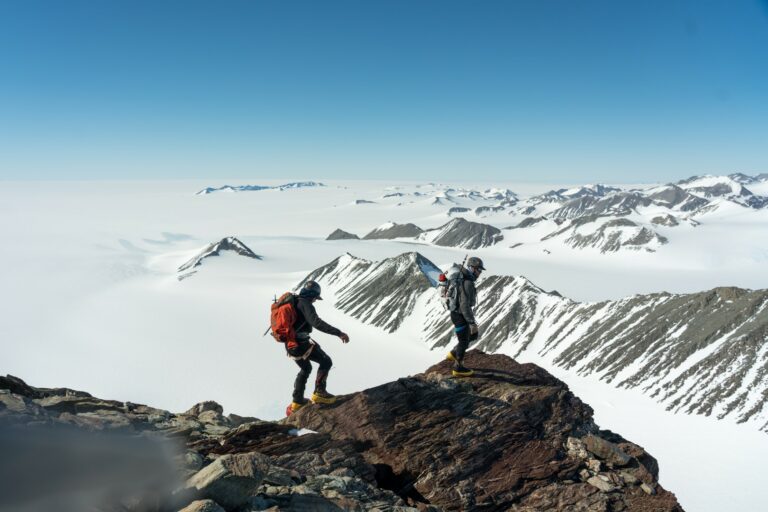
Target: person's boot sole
x,y
450,357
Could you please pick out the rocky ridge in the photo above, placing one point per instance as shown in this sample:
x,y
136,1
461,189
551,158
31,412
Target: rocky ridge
x,y
214,249
513,438
340,234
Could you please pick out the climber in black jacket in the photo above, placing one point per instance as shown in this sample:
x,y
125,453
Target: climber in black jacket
x,y
304,349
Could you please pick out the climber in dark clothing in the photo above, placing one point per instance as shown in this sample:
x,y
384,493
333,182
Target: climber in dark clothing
x,y
465,324
303,349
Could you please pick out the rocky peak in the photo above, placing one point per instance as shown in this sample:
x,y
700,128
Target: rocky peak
x,y
340,234
464,234
392,230
229,243
511,438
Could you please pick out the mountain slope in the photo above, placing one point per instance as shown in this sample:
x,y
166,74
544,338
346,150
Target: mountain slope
x,y
703,353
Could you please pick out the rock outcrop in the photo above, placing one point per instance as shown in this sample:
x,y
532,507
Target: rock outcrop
x,y
392,230
340,234
511,438
229,243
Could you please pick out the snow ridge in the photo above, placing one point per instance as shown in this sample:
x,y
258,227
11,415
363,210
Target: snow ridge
x,y
702,353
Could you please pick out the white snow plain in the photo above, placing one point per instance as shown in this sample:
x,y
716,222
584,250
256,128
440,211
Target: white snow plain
x,y
91,301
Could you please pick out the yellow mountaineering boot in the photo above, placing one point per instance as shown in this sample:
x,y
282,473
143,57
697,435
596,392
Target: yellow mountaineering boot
x,y
295,406
323,397
450,356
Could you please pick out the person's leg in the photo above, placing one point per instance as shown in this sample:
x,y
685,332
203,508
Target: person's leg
x,y
305,368
325,362
461,328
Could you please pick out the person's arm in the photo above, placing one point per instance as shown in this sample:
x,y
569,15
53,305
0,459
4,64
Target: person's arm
x,y
467,301
310,315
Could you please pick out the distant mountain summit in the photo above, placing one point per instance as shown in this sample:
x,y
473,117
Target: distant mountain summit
x,y
253,188
463,234
214,249
392,230
340,234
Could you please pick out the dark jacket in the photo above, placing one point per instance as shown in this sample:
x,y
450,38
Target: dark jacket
x,y
468,297
306,319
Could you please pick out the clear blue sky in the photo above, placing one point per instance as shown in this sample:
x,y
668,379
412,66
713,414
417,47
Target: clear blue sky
x,y
538,90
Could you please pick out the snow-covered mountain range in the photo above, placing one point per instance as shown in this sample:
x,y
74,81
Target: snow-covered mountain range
x,y
254,188
703,353
603,218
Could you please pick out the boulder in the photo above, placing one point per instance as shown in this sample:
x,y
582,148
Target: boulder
x,y
203,506
231,479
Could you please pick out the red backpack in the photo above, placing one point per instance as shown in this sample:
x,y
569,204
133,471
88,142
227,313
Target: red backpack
x,y
283,318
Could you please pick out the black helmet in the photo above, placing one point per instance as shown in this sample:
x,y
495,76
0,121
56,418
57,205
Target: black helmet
x,y
475,262
310,290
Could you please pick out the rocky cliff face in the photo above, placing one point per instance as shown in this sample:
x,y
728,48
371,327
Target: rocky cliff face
x,y
512,438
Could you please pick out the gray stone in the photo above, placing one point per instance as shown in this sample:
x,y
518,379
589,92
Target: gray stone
x,y
203,506
208,405
648,489
232,479
606,450
600,483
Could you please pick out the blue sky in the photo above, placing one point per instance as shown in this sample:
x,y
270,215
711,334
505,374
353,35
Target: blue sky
x,y
539,90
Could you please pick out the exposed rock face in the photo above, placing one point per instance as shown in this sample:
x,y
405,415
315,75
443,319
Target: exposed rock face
x,y
495,442
381,293
512,438
342,235
464,234
214,249
608,234
527,222
701,353
392,230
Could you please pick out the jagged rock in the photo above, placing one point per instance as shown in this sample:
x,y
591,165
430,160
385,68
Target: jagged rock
x,y
18,387
342,235
606,450
231,479
76,404
208,405
229,243
203,506
392,230
601,484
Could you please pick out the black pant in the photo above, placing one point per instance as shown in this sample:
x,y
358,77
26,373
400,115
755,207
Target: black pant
x,y
319,357
461,327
